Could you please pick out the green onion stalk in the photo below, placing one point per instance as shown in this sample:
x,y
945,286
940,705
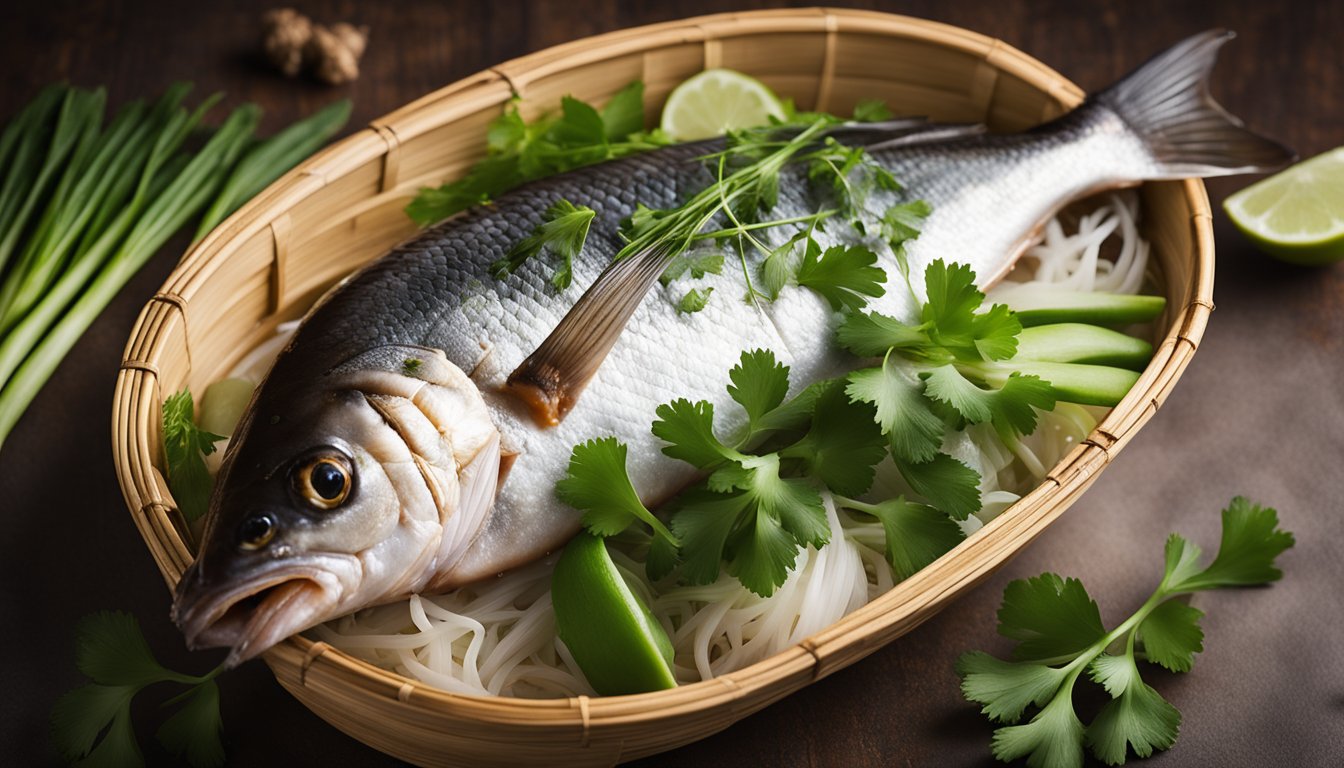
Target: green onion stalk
x,y
105,202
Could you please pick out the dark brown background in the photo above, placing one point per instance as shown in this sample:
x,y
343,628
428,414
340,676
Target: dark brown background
x,y
1259,412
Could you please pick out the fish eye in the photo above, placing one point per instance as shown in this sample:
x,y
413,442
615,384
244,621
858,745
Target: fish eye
x,y
323,482
256,531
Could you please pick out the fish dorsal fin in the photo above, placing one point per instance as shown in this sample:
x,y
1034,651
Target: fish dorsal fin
x,y
551,379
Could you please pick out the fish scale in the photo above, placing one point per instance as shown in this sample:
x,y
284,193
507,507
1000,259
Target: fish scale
x,y
386,331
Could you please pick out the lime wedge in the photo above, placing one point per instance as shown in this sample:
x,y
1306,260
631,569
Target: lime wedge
x,y
612,635
717,101
1297,214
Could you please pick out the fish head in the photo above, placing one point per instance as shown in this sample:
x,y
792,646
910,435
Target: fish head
x,y
338,496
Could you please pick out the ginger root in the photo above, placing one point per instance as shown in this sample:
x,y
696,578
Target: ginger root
x,y
331,54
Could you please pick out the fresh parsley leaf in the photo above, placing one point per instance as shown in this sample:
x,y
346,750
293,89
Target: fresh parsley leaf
x,y
185,447
872,111
844,275
759,383
580,125
702,521
597,484
694,301
1011,407
1060,632
563,230
913,429
110,649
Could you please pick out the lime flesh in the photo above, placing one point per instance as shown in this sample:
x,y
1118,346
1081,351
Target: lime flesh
x,y
1298,214
612,635
717,101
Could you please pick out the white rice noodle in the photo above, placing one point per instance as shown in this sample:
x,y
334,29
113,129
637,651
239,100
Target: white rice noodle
x,y
499,638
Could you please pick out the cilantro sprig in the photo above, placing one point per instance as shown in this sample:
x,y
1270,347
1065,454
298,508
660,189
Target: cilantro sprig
x,y
185,446
92,724
519,151
563,230
1061,637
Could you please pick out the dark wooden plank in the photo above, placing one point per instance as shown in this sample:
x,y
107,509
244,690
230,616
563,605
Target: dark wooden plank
x,y
1259,412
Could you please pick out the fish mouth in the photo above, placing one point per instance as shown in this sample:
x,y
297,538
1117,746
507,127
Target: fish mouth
x,y
254,616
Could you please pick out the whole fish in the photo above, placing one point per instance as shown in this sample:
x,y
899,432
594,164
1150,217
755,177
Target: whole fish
x,y
395,445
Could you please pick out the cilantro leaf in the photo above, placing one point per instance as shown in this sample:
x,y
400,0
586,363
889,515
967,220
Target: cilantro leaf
x,y
952,302
916,534
843,275
1006,688
1015,402
598,484
761,553
946,384
915,432
1171,635
781,264
689,429
843,444
903,221
1049,616
563,230
1053,738
580,125
697,263
1060,633
81,715
871,111
185,445
869,334
694,301
1137,717
995,332
944,482
624,114
1251,542
702,521
759,383
193,732
111,650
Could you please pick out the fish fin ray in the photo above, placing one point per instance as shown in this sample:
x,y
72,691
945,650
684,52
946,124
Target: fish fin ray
x,y
1167,103
551,379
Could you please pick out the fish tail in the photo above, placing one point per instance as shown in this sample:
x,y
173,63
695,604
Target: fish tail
x,y
1167,103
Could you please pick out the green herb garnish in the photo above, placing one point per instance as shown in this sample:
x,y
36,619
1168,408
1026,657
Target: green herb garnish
x,y
185,445
1060,636
563,231
519,151
695,300
111,650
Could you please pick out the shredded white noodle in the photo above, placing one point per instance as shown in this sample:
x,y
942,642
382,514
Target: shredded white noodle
x,y
498,637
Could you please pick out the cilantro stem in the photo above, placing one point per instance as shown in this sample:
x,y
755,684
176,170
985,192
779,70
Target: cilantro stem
x,y
821,215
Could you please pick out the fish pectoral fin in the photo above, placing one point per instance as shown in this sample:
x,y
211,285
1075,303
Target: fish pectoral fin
x,y
551,379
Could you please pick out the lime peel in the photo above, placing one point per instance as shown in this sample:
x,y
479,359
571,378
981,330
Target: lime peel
x,y
1298,214
612,635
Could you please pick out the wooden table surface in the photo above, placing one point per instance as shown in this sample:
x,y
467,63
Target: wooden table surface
x,y
1259,412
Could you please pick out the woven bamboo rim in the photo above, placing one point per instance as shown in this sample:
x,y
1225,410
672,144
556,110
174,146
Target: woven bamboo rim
x,y
272,258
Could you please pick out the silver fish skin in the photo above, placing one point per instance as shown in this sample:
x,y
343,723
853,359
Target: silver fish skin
x,y
382,457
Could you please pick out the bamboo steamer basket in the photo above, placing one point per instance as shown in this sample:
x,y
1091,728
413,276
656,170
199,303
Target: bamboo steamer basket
x,y
270,260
